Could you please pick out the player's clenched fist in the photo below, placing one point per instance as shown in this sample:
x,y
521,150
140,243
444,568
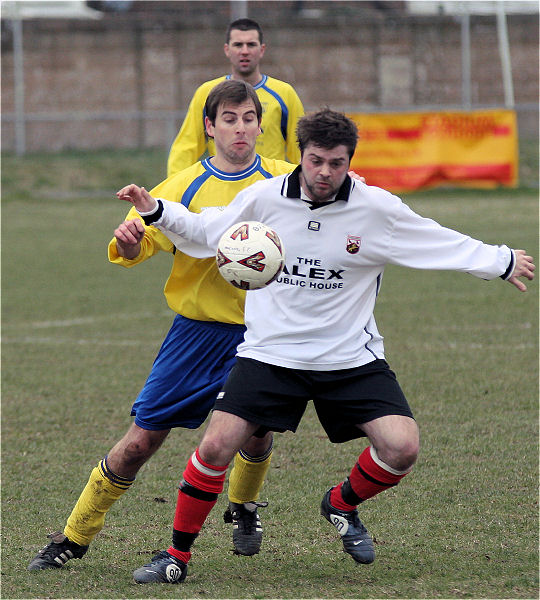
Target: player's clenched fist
x,y
129,232
128,238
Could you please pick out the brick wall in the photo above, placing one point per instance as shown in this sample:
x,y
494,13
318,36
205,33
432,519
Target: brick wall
x,y
126,80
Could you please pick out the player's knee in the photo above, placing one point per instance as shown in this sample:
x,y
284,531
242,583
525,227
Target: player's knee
x,y
258,446
137,449
215,451
401,454
408,454
408,447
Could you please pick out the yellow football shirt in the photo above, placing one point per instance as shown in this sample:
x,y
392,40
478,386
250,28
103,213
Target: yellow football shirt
x,y
281,110
195,289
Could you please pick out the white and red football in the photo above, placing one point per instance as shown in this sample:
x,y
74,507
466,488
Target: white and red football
x,y
250,255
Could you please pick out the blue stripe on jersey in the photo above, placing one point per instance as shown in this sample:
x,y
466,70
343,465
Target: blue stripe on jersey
x,y
265,174
223,175
193,188
378,289
366,344
284,110
261,82
379,281
210,170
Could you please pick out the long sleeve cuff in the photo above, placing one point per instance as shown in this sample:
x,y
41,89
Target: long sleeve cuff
x,y
508,273
154,215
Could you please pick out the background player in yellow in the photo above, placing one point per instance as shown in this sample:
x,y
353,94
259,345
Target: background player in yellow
x,y
200,347
282,107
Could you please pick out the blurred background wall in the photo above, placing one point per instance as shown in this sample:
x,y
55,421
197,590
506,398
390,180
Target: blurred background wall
x,y
87,75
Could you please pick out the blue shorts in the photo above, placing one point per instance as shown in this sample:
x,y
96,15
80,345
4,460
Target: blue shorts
x,y
188,372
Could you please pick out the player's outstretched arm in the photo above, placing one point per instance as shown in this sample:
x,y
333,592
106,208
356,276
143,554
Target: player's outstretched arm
x,y
524,267
139,197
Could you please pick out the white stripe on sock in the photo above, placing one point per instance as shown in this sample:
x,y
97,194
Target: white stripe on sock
x,y
383,465
205,470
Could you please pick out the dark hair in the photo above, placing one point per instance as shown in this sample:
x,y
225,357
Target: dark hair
x,y
327,129
233,91
244,25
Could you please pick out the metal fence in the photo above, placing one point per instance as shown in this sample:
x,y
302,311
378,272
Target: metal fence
x,y
364,63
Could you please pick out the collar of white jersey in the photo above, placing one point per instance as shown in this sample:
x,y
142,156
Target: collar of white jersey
x,y
291,187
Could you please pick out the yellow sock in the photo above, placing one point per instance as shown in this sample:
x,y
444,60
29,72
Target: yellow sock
x,y
100,493
247,476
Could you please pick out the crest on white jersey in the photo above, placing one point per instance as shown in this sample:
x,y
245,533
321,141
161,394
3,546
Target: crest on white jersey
x,y
353,244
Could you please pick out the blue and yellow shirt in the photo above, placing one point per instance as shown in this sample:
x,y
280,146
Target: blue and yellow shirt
x,y
195,289
281,110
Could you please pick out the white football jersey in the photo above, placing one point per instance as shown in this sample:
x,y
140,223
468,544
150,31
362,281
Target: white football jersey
x,y
319,313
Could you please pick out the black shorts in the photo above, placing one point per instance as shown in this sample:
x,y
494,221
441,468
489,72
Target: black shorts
x,y
276,397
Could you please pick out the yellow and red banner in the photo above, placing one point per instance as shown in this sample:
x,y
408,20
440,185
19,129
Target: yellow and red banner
x,y
408,151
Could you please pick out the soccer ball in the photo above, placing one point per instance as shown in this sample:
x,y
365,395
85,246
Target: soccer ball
x,y
250,255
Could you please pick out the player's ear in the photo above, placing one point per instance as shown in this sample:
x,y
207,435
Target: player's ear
x,y
209,127
226,50
263,48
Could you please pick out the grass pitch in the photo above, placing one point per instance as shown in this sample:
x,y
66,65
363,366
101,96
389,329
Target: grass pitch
x,y
79,337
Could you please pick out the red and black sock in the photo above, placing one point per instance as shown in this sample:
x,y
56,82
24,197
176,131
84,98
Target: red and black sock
x,y
197,495
369,477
